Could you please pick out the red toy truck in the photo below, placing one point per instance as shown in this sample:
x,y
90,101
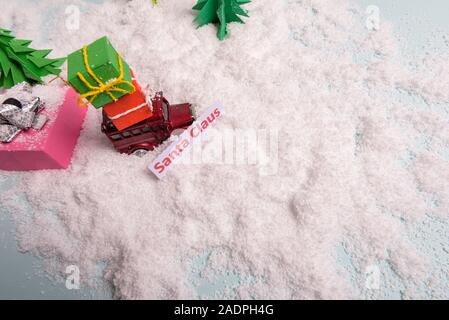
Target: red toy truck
x,y
148,134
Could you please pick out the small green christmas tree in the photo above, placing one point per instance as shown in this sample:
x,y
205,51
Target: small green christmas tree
x,y
19,63
221,12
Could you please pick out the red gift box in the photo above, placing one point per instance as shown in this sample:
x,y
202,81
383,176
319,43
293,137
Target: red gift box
x,y
129,110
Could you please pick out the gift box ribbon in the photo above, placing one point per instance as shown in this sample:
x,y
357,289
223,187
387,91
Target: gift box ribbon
x,y
120,115
100,87
14,119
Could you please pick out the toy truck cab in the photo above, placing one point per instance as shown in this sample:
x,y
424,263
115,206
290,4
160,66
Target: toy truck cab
x,y
148,134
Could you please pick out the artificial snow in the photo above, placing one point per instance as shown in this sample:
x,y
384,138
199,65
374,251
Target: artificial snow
x,y
310,70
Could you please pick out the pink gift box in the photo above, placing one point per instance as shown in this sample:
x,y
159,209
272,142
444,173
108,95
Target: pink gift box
x,y
50,148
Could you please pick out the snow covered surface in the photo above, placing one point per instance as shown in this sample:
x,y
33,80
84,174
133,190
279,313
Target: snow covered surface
x,y
362,160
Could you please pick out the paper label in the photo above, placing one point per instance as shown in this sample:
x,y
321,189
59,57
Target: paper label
x,y
170,156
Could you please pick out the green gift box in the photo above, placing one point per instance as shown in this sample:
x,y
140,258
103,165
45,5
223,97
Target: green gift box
x,y
104,63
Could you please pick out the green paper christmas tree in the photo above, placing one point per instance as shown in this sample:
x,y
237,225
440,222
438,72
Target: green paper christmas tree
x,y
19,63
221,12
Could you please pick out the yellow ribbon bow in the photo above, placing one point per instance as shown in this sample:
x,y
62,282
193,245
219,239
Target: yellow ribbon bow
x,y
108,88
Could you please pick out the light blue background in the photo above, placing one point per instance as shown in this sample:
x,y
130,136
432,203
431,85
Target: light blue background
x,y
417,23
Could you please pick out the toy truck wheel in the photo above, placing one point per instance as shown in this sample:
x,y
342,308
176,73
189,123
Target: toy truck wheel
x,y
139,152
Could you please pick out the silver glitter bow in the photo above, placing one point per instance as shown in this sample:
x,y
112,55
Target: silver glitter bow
x,y
14,119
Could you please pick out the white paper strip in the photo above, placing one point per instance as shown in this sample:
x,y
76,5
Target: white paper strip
x,y
118,116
